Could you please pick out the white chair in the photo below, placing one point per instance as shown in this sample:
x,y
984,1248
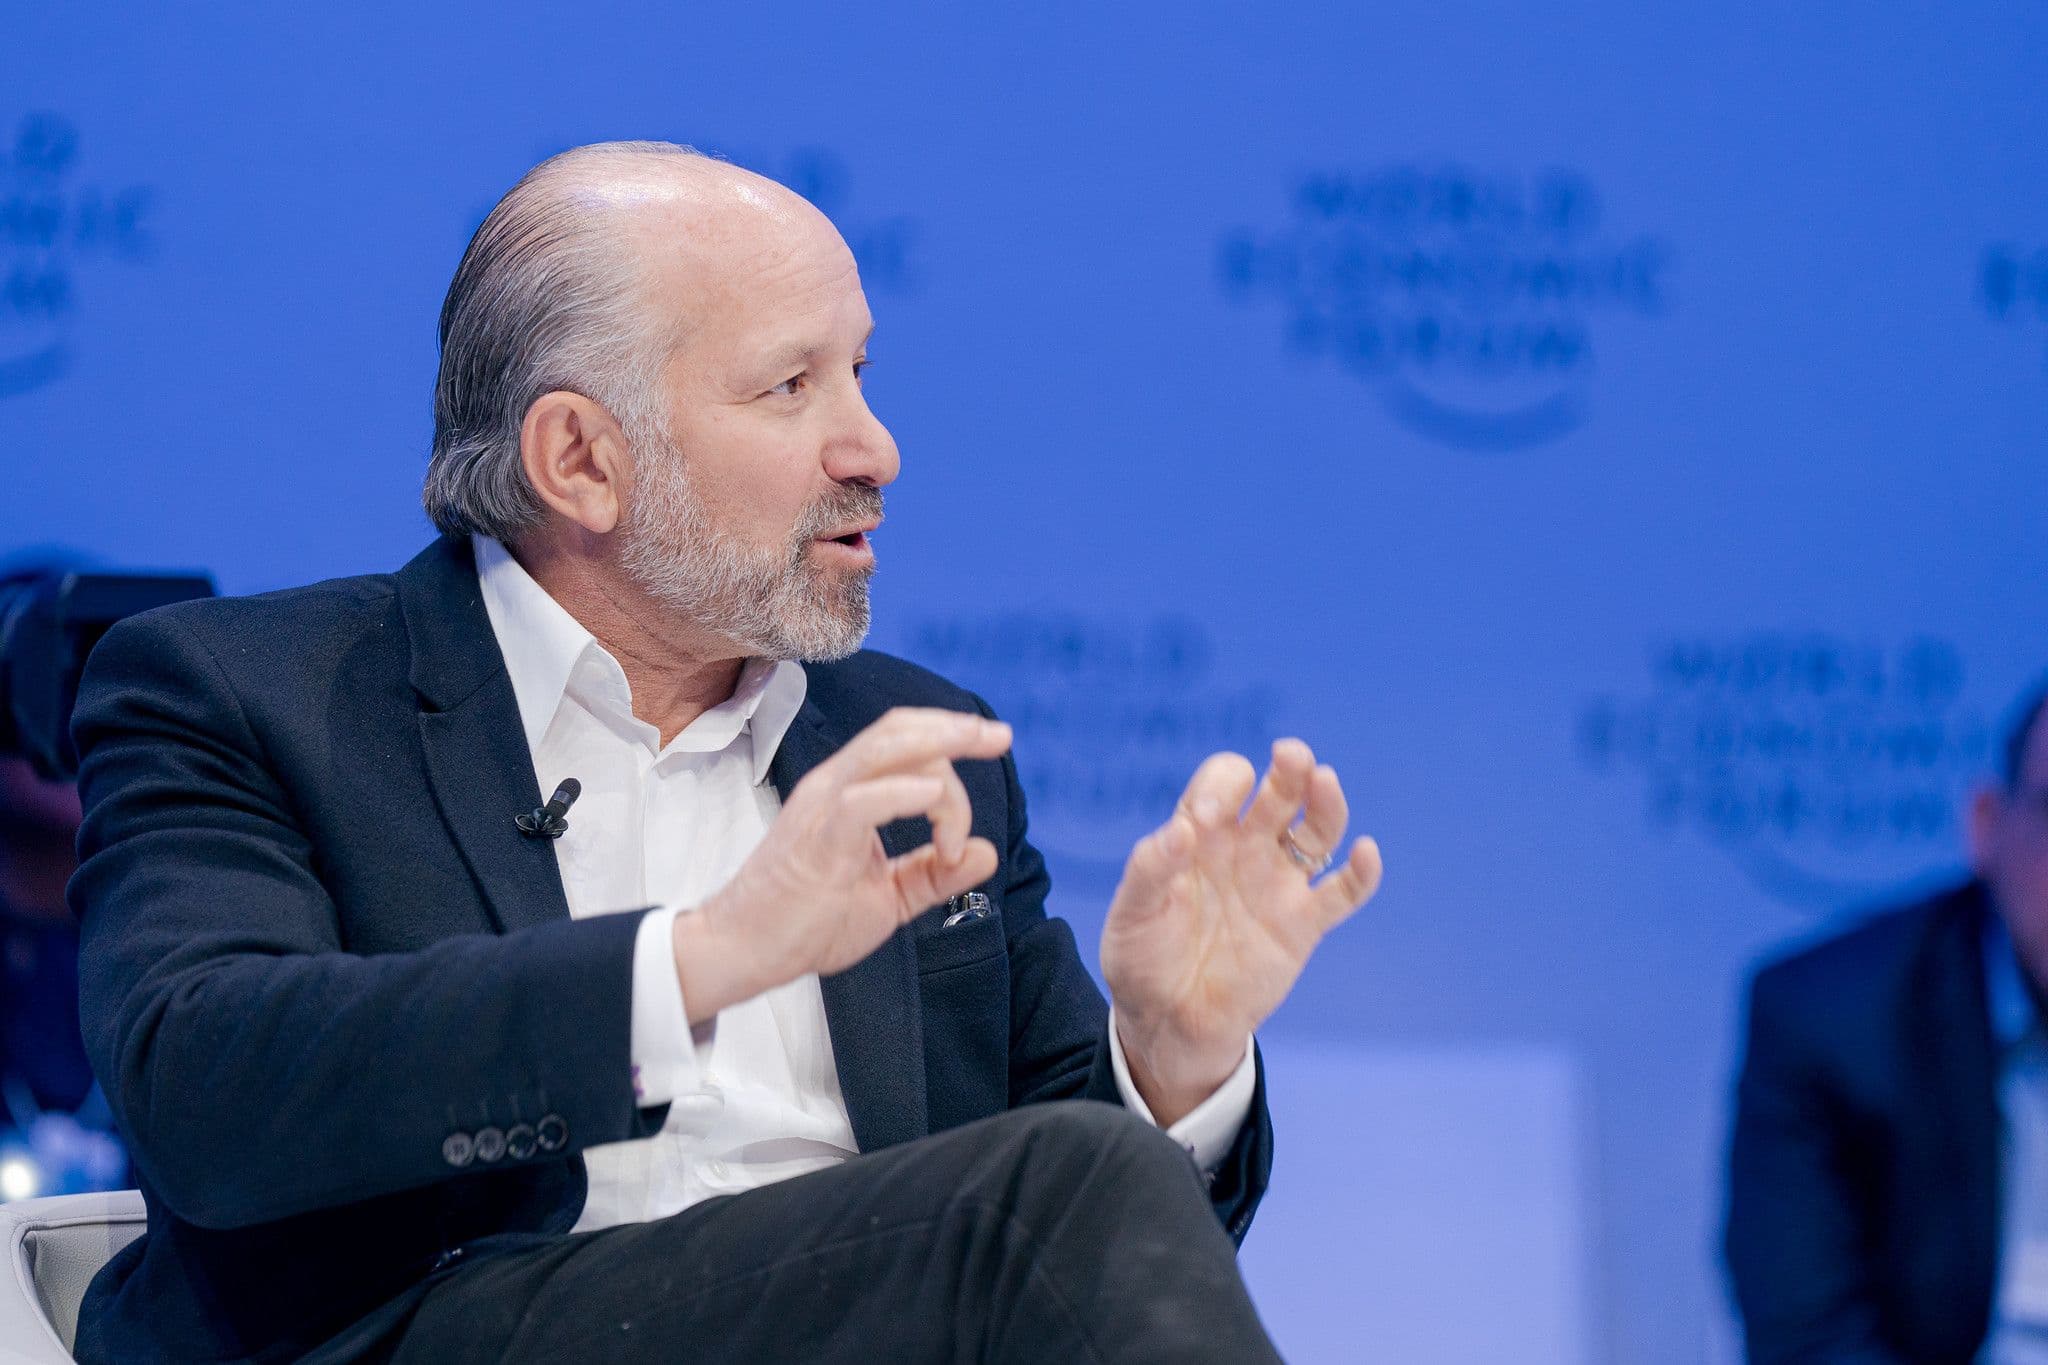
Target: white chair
x,y
53,1248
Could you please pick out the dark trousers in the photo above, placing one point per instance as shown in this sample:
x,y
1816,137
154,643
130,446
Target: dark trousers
x,y
1062,1232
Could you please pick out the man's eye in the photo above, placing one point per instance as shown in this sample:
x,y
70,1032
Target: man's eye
x,y
788,387
860,367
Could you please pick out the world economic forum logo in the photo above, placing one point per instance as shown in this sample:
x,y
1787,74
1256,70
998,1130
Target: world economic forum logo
x,y
2012,286
52,227
1830,768
1469,301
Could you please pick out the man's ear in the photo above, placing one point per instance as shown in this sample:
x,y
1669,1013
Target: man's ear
x,y
574,455
1986,806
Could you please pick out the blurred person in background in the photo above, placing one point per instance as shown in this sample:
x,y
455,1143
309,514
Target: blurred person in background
x,y
1888,1175
53,1120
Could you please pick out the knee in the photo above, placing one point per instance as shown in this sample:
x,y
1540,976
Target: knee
x,y
1089,1124
1107,1138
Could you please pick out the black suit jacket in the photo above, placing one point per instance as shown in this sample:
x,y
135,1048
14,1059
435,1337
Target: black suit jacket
x,y
316,947
1864,1172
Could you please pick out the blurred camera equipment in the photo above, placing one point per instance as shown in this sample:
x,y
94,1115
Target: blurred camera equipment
x,y
49,622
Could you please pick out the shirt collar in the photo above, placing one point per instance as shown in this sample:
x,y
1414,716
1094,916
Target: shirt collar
x,y
544,647
2005,987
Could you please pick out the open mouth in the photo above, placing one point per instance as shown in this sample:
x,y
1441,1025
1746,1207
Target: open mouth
x,y
856,539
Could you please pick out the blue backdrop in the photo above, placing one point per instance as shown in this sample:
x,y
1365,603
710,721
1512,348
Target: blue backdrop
x,y
1612,434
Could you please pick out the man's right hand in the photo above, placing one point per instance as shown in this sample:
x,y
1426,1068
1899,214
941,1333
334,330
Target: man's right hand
x,y
820,893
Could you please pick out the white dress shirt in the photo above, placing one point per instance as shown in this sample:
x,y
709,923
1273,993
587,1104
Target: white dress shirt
x,y
754,1098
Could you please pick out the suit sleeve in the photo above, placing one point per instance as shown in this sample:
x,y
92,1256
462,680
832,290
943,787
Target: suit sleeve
x,y
1059,1022
1798,1240
257,1068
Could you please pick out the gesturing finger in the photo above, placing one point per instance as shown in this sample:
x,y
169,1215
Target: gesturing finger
x,y
867,805
1158,858
1322,824
951,814
1217,790
1284,788
910,737
1349,886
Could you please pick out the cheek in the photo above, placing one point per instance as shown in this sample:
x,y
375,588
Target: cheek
x,y
748,472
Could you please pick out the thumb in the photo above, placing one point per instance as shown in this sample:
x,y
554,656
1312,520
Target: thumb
x,y
1158,858
924,879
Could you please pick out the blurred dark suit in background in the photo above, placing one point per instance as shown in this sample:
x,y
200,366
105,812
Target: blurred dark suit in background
x,y
1888,1177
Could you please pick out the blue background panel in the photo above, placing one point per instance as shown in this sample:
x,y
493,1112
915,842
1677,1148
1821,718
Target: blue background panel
x,y
1612,434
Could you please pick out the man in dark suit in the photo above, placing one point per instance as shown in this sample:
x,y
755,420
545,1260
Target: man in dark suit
x,y
1888,1178
408,1077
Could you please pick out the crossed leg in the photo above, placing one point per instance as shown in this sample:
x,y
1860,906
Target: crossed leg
x,y
1069,1231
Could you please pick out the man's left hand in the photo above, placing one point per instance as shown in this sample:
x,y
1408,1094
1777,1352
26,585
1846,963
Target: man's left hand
x,y
1216,916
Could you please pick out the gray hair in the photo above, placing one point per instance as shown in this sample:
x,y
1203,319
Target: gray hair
x,y
550,295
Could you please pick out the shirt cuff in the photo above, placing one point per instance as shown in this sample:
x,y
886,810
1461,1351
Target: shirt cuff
x,y
1209,1130
664,1055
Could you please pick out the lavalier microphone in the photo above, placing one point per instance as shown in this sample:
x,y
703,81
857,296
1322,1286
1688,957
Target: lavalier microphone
x,y
550,821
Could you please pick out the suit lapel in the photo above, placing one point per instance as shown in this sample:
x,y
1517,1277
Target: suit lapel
x,y
477,760
871,1007
482,776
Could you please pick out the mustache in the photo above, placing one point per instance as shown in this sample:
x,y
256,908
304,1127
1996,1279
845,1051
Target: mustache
x,y
861,502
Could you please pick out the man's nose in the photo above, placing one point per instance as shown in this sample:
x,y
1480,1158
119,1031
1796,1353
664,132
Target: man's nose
x,y
863,451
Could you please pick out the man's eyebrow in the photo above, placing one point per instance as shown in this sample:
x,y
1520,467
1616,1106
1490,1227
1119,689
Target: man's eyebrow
x,y
800,354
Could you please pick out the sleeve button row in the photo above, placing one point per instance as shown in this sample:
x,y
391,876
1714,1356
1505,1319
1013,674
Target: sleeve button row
x,y
491,1144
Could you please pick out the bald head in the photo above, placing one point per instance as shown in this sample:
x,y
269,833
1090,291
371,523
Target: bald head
x,y
582,278
667,203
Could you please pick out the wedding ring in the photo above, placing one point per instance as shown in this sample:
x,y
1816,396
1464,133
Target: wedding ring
x,y
1306,861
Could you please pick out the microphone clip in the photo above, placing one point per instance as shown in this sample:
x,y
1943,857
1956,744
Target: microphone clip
x,y
550,821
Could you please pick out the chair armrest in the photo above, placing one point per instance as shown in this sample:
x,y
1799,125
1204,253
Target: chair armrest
x,y
52,1248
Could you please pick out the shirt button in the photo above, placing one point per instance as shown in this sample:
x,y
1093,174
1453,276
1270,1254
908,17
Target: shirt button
x,y
715,1169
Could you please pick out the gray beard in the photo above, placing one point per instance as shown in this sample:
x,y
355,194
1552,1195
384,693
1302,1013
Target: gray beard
x,y
776,604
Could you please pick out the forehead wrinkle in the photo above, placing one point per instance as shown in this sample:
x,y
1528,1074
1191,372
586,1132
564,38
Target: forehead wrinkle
x,y
810,291
721,260
807,343
718,245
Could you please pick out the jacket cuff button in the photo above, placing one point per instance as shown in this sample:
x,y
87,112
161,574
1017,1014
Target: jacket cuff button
x,y
552,1133
458,1149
